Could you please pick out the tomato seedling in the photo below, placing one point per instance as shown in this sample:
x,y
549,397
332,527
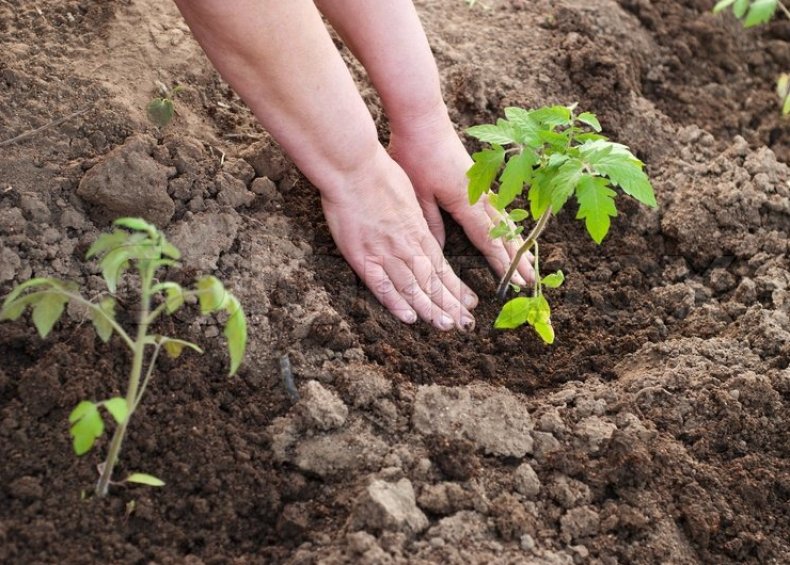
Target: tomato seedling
x,y
141,244
554,154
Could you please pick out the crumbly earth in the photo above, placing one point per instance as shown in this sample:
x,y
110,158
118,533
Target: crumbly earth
x,y
656,429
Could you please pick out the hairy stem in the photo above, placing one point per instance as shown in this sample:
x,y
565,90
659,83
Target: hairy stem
x,y
147,377
103,485
530,241
784,10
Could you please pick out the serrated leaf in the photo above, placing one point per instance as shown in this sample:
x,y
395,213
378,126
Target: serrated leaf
x,y
494,134
517,172
107,242
518,215
113,264
236,333
622,167
145,479
760,12
106,309
540,192
556,140
564,182
47,311
160,111
483,172
590,119
117,408
525,127
15,309
552,116
596,206
20,288
87,426
137,224
553,280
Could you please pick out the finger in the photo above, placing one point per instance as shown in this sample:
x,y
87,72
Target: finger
x,y
411,289
385,292
430,278
433,216
477,224
462,293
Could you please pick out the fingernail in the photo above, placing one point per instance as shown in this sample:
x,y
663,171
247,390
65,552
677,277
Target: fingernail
x,y
467,323
446,322
519,280
470,301
409,317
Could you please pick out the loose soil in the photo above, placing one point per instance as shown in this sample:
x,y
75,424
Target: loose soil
x,y
656,429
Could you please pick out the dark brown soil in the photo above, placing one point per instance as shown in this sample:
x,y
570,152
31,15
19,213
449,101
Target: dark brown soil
x,y
655,430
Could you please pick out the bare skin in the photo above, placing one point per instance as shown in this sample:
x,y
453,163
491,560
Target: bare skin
x,y
381,206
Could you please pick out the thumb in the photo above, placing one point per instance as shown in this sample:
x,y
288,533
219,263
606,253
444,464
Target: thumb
x,y
433,216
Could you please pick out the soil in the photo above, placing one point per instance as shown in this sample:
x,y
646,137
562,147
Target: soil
x,y
655,430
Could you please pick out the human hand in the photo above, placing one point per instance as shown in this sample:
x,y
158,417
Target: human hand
x,y
432,155
379,227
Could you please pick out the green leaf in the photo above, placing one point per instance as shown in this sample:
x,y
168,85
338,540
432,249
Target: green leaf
x,y
101,317
540,192
47,311
783,86
517,172
87,426
160,111
514,313
525,127
596,206
145,479
722,5
619,164
739,8
484,171
173,347
518,215
20,288
557,140
113,264
552,116
15,309
760,12
553,280
174,295
170,250
117,408
236,333
137,224
107,242
590,119
500,134
500,230
786,106
564,182
546,331
212,295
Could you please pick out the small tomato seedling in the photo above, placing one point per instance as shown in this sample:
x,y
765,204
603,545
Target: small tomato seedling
x,y
554,154
161,109
142,244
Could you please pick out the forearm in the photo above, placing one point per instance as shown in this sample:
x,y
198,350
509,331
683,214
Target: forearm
x,y
388,39
280,59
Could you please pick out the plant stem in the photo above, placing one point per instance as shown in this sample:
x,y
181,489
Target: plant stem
x,y
530,241
134,383
784,9
538,286
147,377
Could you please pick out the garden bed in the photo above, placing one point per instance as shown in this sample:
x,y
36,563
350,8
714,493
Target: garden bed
x,y
655,429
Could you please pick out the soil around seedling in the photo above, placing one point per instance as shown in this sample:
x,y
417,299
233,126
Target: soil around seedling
x,y
655,430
